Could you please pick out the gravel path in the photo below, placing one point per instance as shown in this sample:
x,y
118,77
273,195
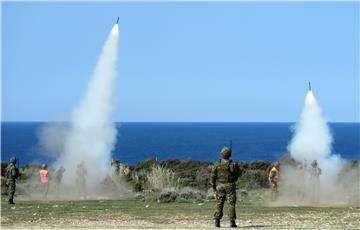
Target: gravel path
x,y
282,220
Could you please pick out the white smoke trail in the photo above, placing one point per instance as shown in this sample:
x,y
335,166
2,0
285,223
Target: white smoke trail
x,y
92,134
312,140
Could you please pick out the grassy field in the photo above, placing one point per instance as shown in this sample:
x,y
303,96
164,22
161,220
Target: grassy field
x,y
133,214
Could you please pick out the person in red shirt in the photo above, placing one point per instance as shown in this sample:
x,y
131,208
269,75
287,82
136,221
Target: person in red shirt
x,y
274,176
44,180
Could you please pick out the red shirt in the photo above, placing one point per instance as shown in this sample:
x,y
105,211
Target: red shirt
x,y
44,178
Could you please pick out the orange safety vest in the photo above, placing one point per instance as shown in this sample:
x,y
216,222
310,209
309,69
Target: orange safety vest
x,y
274,178
44,176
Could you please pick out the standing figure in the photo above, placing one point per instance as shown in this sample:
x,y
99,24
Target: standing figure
x,y
223,178
301,178
58,178
273,178
12,173
314,182
81,179
44,179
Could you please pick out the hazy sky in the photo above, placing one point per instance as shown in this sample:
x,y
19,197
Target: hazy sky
x,y
237,61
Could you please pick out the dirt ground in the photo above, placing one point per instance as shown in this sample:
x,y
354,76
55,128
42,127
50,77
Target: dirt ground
x,y
152,215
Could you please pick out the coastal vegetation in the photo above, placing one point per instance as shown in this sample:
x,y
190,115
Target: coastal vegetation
x,y
176,180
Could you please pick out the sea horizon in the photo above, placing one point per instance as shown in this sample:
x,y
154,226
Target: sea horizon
x,y
137,141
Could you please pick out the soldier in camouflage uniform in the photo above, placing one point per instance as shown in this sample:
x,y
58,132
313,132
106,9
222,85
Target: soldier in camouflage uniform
x,y
223,178
12,174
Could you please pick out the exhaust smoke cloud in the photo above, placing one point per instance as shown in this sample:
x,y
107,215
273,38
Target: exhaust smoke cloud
x,y
92,134
312,141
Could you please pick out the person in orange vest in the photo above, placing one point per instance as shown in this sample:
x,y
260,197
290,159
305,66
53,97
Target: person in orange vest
x,y
274,176
44,179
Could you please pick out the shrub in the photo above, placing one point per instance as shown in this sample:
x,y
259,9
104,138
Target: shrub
x,y
171,163
160,178
28,171
167,197
243,165
190,195
253,179
139,181
146,165
259,165
121,170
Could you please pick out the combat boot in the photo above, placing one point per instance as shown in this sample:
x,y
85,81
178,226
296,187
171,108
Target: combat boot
x,y
233,224
11,202
217,223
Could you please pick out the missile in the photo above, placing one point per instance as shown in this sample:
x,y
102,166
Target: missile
x,y
309,86
117,21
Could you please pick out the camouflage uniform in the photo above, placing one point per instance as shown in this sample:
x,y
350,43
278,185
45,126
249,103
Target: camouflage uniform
x,y
223,178
12,174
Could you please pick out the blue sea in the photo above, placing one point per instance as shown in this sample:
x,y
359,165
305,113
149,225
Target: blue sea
x,y
197,141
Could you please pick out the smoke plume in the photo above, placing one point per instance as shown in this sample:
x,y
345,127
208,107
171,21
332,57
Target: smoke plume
x,y
92,135
51,139
311,141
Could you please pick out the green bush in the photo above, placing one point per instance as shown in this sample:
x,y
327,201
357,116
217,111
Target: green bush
x,y
253,179
27,171
167,197
243,165
259,165
190,195
145,165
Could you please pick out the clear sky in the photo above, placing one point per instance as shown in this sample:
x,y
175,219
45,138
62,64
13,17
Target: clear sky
x,y
214,61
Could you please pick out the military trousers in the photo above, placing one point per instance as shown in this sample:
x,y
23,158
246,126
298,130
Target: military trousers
x,y
11,190
225,192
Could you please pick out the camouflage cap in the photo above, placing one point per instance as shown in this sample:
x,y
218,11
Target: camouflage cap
x,y
225,152
13,160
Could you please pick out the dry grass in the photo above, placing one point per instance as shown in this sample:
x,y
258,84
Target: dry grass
x,y
161,178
